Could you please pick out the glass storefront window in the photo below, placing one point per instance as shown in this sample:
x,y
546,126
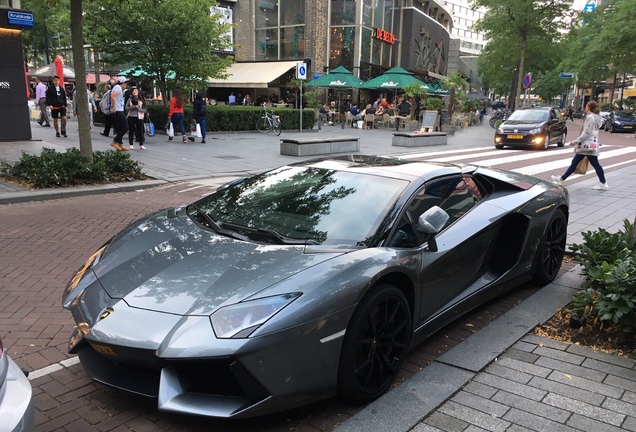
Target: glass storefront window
x,y
342,47
367,13
366,43
292,42
266,13
267,44
378,13
343,12
292,12
388,16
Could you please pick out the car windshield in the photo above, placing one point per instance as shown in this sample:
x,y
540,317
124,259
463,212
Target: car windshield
x,y
321,205
530,115
625,115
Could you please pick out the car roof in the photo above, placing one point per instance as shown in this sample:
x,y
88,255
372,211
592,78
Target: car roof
x,y
387,166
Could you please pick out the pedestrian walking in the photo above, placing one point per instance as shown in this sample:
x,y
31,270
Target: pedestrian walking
x,y
176,114
587,146
108,117
569,113
56,99
40,99
136,109
200,112
92,108
117,113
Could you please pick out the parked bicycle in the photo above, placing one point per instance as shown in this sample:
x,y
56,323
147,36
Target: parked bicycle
x,y
269,122
497,115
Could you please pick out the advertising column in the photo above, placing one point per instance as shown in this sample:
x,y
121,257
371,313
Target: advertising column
x,y
15,123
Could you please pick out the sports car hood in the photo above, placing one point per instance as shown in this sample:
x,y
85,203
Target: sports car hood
x,y
170,264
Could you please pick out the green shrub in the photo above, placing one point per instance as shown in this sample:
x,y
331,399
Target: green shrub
x,y
227,118
54,169
609,266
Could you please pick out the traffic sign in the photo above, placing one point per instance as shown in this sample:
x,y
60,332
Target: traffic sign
x,y
301,71
527,80
566,75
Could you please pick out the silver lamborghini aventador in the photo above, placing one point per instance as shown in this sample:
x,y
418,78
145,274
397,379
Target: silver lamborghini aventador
x,y
306,282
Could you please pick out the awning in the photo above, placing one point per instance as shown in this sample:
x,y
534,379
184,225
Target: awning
x,y
252,75
629,92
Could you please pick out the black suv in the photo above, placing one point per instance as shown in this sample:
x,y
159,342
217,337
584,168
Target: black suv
x,y
532,127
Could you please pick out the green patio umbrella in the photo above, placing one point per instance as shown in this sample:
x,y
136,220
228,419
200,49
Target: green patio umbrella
x,y
340,77
396,78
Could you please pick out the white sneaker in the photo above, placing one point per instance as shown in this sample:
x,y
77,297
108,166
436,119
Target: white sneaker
x,y
601,186
557,180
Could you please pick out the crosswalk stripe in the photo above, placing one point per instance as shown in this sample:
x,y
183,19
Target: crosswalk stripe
x,y
563,163
443,152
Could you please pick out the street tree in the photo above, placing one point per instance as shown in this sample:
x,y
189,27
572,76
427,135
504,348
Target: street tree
x,y
519,22
457,87
173,41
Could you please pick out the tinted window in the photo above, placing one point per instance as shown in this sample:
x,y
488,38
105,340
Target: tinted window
x,y
455,195
332,207
530,115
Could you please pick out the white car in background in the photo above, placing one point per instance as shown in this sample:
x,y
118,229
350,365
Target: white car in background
x,y
16,396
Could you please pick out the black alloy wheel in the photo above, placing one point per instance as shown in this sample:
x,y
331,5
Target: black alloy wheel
x,y
562,140
499,146
375,345
551,249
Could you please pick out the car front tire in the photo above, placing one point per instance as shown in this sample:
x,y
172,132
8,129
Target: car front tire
x,y
551,249
562,141
375,345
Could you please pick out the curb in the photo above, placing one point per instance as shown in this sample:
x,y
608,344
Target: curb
x,y
405,406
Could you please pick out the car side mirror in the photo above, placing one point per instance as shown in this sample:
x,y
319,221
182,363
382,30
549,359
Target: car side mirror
x,y
431,222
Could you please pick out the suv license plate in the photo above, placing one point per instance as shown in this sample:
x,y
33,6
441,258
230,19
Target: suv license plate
x,y
515,136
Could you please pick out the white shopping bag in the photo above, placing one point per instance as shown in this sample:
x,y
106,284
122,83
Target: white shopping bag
x,y
171,130
360,124
196,133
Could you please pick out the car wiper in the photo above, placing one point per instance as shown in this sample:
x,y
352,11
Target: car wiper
x,y
282,239
216,227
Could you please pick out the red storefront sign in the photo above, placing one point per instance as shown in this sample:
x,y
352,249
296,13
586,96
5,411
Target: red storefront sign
x,y
384,36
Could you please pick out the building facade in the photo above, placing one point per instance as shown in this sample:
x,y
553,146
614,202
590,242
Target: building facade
x,y
367,37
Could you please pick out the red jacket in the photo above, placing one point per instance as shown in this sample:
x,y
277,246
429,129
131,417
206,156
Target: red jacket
x,y
173,107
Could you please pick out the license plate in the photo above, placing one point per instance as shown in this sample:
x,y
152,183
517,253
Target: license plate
x,y
515,136
103,349
628,127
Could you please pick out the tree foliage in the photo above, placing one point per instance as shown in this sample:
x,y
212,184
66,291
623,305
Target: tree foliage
x,y
51,30
171,40
517,28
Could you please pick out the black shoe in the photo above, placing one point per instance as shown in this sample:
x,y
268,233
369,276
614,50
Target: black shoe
x,y
64,134
202,141
191,139
57,134
46,125
103,134
39,122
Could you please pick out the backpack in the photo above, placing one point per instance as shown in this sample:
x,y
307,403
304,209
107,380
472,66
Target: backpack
x,y
104,104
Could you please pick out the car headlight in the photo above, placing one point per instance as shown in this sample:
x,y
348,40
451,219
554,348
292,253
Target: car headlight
x,y
71,291
535,131
241,319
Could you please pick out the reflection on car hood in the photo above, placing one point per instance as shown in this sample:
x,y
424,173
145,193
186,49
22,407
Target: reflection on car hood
x,y
172,265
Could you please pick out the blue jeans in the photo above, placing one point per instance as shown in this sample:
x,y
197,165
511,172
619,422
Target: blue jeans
x,y
201,123
593,161
177,120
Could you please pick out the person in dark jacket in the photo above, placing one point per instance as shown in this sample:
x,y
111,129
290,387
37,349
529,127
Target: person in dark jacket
x,y
200,111
56,100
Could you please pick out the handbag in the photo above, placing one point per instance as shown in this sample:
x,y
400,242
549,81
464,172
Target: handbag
x,y
581,167
149,127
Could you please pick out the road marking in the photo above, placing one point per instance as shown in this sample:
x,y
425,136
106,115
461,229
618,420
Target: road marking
x,y
53,368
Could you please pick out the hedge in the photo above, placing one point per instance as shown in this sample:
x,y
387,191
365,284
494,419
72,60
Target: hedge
x,y
228,118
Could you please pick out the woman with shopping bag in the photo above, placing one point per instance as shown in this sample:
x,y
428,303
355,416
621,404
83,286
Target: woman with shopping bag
x,y
176,115
587,146
200,112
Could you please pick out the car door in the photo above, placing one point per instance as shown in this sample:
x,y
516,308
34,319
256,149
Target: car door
x,y
445,274
556,125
